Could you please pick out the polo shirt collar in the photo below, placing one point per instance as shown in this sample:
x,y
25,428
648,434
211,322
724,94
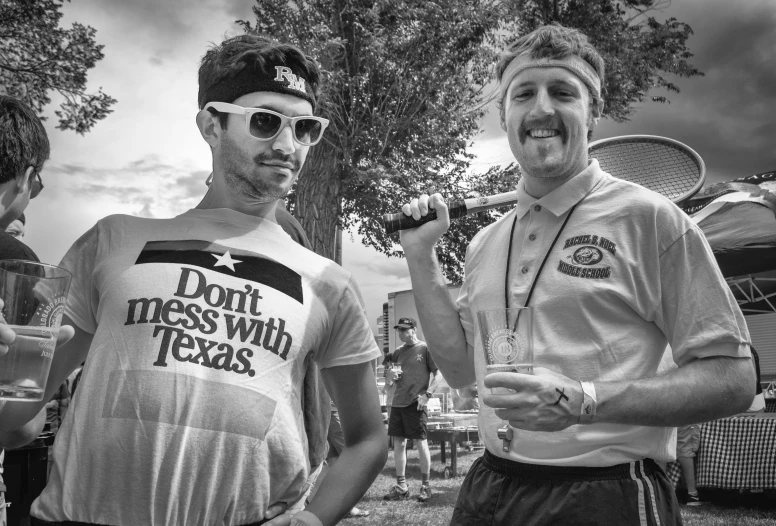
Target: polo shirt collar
x,y
560,200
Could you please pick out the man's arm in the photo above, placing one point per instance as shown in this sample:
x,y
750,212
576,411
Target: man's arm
x,y
699,391
25,434
432,385
438,315
72,348
353,389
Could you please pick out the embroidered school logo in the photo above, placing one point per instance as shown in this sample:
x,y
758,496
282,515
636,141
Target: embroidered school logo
x,y
587,256
285,74
585,260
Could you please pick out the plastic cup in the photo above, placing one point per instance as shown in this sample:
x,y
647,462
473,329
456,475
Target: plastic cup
x,y
34,297
507,340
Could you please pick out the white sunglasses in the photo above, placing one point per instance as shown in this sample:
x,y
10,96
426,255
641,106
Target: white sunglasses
x,y
265,125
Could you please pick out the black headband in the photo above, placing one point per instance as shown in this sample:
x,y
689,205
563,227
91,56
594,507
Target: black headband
x,y
252,78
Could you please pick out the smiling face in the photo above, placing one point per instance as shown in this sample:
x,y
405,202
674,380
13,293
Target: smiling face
x,y
261,171
547,114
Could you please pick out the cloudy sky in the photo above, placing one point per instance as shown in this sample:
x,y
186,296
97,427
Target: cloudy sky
x,y
147,157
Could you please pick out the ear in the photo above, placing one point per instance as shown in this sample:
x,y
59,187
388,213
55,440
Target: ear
x,y
209,127
597,111
23,180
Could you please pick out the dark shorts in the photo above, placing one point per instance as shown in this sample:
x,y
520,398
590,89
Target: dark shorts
x,y
408,422
501,492
39,522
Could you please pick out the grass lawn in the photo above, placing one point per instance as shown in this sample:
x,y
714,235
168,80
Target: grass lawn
x,y
727,510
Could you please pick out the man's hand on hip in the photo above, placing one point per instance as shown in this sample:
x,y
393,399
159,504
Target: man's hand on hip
x,y
419,240
543,401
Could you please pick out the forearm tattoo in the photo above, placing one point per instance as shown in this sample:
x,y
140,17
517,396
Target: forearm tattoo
x,y
562,395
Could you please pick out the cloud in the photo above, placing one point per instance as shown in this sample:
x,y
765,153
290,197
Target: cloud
x,y
726,116
150,187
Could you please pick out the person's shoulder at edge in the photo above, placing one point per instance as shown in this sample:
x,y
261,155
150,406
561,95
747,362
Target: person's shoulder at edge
x,y
12,248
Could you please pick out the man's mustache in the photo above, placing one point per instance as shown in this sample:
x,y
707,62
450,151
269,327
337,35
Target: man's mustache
x,y
548,123
265,157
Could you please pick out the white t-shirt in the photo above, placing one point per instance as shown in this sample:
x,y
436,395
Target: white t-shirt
x,y
189,407
629,274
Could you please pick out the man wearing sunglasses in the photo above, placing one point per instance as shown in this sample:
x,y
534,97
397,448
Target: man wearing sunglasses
x,y
24,147
197,331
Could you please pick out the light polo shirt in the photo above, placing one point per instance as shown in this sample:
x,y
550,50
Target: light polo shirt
x,y
629,274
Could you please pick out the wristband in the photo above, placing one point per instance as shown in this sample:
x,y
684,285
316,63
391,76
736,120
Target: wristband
x,y
305,518
589,402
429,395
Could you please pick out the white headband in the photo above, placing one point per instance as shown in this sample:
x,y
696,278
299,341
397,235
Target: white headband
x,y
573,63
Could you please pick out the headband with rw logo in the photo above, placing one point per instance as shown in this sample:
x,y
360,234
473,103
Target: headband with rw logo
x,y
251,79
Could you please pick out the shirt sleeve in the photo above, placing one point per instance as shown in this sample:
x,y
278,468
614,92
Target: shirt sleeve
x,y
83,298
465,313
351,340
698,314
432,367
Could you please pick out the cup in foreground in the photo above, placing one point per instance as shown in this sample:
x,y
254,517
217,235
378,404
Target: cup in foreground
x,y
34,297
507,341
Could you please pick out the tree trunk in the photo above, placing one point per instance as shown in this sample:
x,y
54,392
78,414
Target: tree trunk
x,y
318,200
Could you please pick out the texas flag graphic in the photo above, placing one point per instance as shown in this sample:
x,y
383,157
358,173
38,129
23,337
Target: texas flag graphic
x,y
238,263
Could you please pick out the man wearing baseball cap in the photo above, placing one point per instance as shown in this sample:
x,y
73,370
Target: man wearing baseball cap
x,y
415,377
197,331
613,273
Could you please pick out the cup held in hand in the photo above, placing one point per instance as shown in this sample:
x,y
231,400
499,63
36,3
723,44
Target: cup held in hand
x,y
33,300
507,341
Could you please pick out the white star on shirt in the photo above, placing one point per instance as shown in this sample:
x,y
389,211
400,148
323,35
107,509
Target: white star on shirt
x,y
225,261
419,357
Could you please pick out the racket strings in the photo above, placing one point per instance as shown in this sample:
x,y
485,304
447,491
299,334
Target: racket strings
x,y
669,171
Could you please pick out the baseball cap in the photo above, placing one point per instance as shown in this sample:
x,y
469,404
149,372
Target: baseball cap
x,y
405,323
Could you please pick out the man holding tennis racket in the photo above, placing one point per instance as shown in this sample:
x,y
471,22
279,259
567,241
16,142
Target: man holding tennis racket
x,y
613,273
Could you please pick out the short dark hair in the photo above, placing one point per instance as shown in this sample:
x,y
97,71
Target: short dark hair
x,y
228,59
553,41
23,139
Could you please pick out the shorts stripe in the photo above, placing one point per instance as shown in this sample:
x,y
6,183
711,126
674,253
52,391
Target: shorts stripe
x,y
642,508
651,493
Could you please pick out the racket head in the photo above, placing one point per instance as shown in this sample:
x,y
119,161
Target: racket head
x,y
660,164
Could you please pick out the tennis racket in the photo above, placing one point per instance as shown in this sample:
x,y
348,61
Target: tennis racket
x,y
663,165
660,164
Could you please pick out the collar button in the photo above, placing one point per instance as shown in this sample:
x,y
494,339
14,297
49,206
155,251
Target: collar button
x,y
538,208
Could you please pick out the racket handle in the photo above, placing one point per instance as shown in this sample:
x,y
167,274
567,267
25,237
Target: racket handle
x,y
399,221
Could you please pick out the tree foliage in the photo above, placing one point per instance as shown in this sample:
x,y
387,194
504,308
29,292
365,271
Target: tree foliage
x,y
37,57
639,51
404,85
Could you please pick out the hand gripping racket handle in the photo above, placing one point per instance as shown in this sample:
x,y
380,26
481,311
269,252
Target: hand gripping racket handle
x,y
399,221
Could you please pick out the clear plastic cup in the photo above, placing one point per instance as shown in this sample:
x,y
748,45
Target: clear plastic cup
x,y
34,297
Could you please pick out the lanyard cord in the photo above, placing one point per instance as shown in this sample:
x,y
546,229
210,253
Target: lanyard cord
x,y
547,255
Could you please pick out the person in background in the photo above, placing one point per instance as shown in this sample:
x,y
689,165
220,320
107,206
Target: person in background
x,y
24,148
16,228
758,404
415,377
688,439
